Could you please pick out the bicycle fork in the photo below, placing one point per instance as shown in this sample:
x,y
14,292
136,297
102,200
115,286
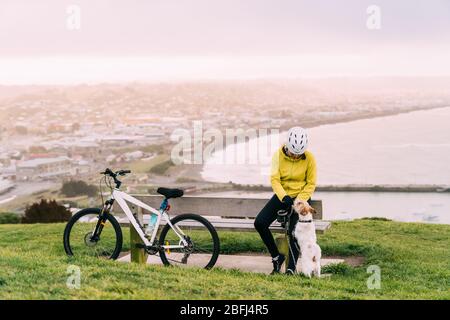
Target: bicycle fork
x,y
101,221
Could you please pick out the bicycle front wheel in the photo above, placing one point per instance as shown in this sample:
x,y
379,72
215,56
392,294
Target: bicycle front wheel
x,y
80,238
202,242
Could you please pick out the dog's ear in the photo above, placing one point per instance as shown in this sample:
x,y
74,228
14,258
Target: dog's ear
x,y
313,210
297,206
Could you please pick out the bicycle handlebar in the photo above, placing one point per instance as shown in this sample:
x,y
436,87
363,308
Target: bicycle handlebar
x,y
123,172
114,175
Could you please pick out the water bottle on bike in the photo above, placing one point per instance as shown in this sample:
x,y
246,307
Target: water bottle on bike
x,y
151,225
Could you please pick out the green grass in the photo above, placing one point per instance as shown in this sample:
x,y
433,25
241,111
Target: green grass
x,y
414,260
162,167
144,166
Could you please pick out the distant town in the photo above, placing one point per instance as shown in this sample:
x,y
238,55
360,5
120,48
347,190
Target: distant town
x,y
53,133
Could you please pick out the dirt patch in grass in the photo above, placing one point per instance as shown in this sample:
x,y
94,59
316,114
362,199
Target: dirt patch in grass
x,y
123,254
354,261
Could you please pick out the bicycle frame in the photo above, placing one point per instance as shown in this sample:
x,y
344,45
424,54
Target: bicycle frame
x,y
122,198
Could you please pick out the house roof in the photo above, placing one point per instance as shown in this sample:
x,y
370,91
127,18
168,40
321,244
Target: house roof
x,y
40,161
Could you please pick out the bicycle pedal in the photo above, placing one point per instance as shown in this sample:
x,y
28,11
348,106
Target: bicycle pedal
x,y
168,249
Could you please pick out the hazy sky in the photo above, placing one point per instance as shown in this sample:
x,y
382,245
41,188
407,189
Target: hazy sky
x,y
151,39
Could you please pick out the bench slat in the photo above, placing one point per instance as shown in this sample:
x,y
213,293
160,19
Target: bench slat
x,y
215,206
240,224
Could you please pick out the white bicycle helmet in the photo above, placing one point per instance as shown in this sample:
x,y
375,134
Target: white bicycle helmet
x,y
297,140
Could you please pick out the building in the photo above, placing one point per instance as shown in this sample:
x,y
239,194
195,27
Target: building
x,y
43,168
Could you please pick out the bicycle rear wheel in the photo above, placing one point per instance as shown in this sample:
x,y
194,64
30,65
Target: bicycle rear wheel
x,y
203,242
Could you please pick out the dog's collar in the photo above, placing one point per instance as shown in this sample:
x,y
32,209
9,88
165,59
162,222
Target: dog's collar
x,y
305,221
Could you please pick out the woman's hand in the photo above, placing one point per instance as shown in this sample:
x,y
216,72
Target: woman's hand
x,y
288,202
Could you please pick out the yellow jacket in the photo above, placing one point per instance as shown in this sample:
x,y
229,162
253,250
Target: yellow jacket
x,y
296,178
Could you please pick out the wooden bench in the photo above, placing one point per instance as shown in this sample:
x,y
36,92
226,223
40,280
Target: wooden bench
x,y
225,214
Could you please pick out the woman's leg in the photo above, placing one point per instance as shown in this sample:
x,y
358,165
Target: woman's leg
x,y
264,219
294,248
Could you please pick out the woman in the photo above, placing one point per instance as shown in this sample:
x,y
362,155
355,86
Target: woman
x,y
293,175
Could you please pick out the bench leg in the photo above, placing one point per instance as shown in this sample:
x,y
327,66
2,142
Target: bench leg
x,y
283,247
138,255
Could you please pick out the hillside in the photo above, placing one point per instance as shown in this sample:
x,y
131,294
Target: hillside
x,y
414,260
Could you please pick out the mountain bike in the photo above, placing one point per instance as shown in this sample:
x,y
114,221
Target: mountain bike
x,y
185,240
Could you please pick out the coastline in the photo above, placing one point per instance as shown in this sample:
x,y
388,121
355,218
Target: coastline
x,y
218,187
312,123
308,123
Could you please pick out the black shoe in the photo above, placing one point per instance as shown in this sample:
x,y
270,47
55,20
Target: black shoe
x,y
290,272
277,263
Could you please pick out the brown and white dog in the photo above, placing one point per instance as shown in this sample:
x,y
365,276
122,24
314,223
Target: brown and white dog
x,y
305,234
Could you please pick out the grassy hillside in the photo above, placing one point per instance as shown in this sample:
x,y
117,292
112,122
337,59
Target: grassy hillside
x,y
414,261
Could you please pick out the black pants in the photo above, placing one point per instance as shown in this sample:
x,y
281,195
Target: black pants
x,y
265,218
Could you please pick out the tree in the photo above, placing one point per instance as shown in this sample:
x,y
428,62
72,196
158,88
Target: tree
x,y
9,218
75,126
22,130
75,188
162,167
46,211
37,149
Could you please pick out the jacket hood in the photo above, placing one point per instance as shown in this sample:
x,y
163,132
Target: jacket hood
x,y
281,151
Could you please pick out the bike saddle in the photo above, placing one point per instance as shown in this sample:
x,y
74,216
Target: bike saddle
x,y
170,193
